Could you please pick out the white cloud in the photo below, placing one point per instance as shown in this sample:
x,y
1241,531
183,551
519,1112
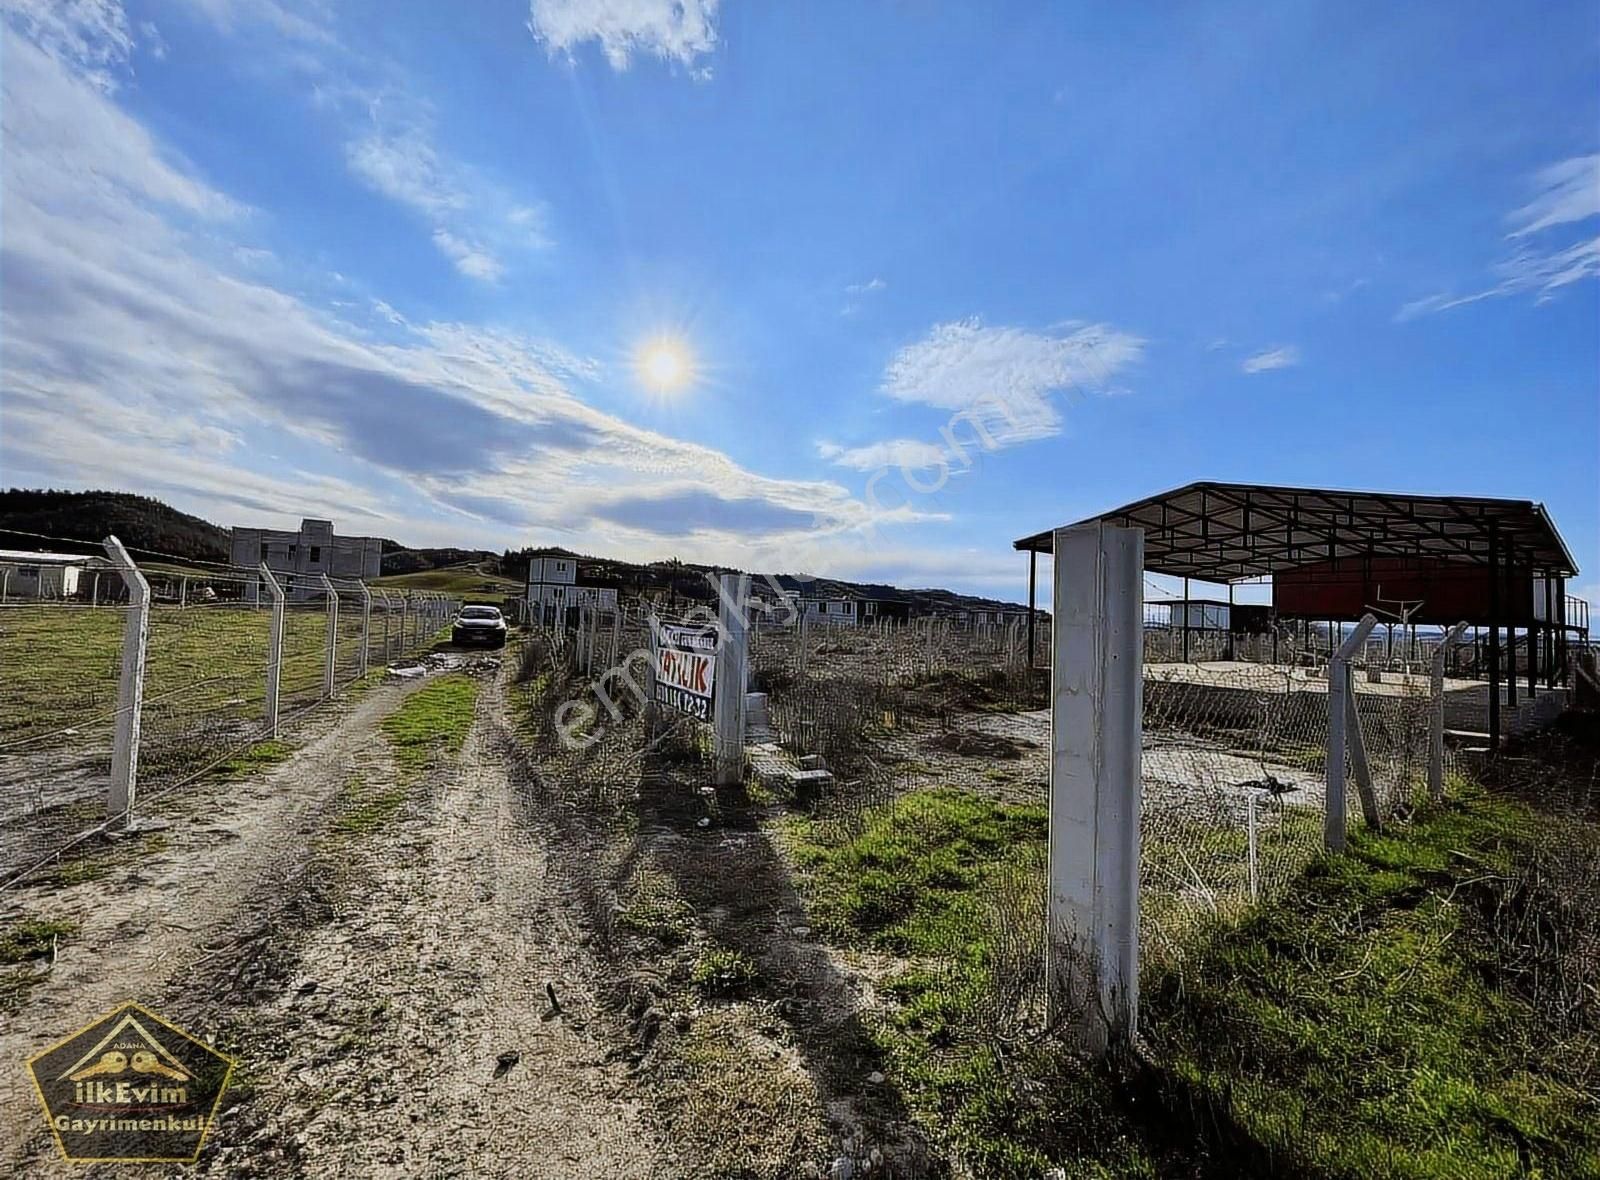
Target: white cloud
x,y
1570,191
1568,195
866,288
1283,357
681,31
1010,377
470,259
89,36
135,359
473,220
308,21
912,454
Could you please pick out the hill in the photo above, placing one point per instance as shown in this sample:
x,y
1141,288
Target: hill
x,y
145,523
140,522
692,582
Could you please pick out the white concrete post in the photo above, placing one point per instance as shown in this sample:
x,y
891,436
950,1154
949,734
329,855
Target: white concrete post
x,y
1097,714
728,704
332,650
274,645
405,610
1357,743
183,591
1436,714
366,627
1333,818
130,687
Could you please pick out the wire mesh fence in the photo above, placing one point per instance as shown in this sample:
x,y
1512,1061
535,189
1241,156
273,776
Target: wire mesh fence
x,y
207,646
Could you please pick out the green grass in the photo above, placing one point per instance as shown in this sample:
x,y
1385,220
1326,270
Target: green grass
x,y
462,582
431,722
32,938
906,882
22,943
364,808
205,660
253,759
724,974
1358,1026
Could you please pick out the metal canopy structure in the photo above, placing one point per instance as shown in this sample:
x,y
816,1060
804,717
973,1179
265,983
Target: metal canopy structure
x,y
1228,532
1223,532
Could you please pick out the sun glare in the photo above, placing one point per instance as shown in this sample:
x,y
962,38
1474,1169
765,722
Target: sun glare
x,y
664,365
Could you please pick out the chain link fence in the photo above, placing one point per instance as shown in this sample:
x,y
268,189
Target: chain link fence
x,y
203,662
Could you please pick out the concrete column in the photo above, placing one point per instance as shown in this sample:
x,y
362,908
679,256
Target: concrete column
x,y
366,627
728,704
124,785
1339,704
274,646
1096,688
331,652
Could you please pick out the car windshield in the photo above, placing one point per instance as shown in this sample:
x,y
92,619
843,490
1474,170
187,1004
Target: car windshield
x,y
479,612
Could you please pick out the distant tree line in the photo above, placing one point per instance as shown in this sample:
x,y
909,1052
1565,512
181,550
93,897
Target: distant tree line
x,y
140,522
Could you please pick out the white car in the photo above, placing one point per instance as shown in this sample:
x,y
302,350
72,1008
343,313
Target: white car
x,y
478,624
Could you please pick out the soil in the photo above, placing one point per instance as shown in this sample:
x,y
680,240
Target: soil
x,y
388,991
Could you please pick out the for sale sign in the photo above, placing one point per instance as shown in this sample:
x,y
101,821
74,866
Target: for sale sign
x,y
686,665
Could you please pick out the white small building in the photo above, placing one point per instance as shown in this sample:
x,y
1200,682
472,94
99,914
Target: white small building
x,y
830,612
24,574
552,588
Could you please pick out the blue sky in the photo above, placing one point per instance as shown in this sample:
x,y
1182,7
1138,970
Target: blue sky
x,y
946,274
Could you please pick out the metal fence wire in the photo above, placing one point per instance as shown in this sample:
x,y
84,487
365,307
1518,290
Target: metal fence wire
x,y
204,692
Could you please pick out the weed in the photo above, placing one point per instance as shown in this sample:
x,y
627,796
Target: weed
x,y
33,938
433,720
725,974
364,809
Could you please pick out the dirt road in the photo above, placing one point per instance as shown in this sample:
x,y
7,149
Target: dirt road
x,y
387,986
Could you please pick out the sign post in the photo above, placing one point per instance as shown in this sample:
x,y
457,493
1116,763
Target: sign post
x,y
686,669
732,628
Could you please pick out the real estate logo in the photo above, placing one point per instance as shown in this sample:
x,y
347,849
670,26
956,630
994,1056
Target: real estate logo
x,y
132,1088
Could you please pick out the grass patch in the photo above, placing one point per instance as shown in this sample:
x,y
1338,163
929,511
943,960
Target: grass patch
x,y
724,974
1365,1024
95,859
906,883
364,809
33,938
253,759
731,1109
1389,1015
432,721
653,908
23,943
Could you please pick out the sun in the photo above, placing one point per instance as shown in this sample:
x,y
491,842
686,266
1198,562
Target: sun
x,y
664,364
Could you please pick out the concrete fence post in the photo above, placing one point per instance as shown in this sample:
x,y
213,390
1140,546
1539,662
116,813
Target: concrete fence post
x,y
1356,741
366,627
728,702
124,787
1097,715
1436,713
274,647
1333,819
405,612
331,652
